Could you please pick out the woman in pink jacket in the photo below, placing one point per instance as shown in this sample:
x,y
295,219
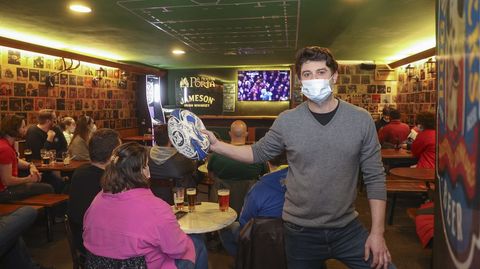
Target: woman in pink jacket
x,y
126,220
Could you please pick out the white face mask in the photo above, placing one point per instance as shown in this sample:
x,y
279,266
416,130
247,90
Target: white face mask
x,y
317,90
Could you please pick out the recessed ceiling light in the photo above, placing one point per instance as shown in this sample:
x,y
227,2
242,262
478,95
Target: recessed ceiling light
x,y
80,8
178,52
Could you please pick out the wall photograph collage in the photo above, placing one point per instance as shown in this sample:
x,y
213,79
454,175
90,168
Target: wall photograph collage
x,y
104,93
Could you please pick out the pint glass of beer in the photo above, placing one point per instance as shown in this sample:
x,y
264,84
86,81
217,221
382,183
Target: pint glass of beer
x,y
178,197
27,153
45,157
223,199
192,197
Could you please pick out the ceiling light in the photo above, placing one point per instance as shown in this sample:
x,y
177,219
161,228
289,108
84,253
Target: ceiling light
x,y
80,8
178,52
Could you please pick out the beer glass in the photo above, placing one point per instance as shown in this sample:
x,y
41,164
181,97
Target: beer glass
x,y
66,158
178,197
192,197
27,153
53,156
45,155
223,199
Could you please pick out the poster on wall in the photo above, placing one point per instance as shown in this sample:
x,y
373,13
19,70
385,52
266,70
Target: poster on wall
x,y
229,97
458,168
201,95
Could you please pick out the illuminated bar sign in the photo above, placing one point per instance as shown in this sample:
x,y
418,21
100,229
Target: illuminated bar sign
x,y
199,94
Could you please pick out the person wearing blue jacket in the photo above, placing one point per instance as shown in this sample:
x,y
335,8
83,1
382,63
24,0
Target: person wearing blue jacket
x,y
264,199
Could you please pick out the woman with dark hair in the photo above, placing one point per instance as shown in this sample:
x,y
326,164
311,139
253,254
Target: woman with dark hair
x,y
424,145
13,187
78,148
126,220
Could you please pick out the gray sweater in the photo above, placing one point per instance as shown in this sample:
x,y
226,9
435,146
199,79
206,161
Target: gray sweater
x,y
324,163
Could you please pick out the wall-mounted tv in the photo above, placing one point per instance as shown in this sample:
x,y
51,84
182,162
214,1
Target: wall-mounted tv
x,y
263,85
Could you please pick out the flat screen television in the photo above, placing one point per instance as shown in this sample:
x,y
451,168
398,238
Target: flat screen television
x,y
263,85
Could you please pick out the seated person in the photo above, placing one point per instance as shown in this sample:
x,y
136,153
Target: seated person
x,y
85,183
13,187
166,163
126,220
235,175
13,252
424,145
78,148
395,133
264,199
384,120
47,135
68,126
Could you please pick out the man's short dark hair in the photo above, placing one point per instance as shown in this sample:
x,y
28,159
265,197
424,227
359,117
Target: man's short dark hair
x,y
279,159
44,115
426,119
394,114
386,111
102,143
160,133
10,126
314,53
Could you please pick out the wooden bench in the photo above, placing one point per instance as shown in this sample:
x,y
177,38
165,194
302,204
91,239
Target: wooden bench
x,y
395,187
48,201
7,209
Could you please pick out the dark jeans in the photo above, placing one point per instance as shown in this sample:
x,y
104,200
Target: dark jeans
x,y
311,247
13,252
22,191
201,257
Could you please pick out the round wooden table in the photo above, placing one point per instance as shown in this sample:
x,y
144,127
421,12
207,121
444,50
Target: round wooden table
x,y
423,174
207,217
59,166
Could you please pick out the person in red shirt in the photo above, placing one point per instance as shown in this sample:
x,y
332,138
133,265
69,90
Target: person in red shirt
x,y
395,133
424,145
13,187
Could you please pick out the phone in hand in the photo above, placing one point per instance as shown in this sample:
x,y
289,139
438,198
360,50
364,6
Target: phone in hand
x,y
180,214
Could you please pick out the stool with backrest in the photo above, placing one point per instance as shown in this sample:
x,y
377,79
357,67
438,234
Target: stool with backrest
x,y
261,245
98,262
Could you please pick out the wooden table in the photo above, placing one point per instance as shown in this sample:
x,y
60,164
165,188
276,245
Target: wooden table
x,y
397,154
7,209
59,166
423,174
207,217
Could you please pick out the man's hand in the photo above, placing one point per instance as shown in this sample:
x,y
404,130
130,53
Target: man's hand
x,y
211,137
377,246
34,172
50,135
32,178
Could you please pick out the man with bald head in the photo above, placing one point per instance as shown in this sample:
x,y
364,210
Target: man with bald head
x,y
235,175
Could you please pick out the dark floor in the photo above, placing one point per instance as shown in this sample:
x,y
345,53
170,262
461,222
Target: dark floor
x,y
401,239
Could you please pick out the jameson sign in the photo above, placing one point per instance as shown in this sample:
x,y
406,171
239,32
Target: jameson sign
x,y
201,95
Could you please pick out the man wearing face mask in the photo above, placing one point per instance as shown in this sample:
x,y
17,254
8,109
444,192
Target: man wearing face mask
x,y
327,142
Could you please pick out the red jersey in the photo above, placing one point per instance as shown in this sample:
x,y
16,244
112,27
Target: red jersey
x,y
396,132
8,156
424,149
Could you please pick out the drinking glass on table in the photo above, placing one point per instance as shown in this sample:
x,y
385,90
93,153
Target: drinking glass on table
x,y
223,199
66,158
192,198
53,156
45,155
178,197
27,153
